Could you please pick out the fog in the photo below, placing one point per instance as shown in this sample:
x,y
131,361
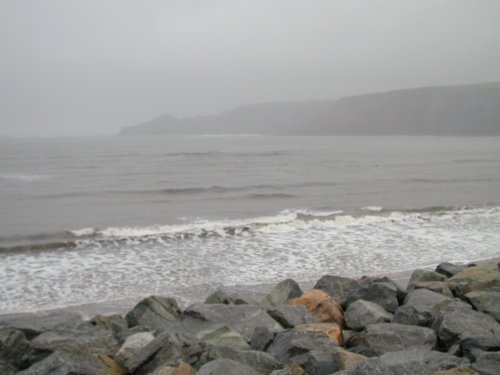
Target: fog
x,y
90,67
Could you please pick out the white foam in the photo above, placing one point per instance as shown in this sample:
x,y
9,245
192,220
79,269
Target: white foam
x,y
373,208
24,177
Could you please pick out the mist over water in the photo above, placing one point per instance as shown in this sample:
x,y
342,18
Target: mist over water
x,y
88,219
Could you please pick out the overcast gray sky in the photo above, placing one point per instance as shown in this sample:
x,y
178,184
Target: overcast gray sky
x,y
83,67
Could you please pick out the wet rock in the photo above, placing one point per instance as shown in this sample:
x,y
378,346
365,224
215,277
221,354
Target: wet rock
x,y
419,276
453,324
131,345
420,307
414,362
331,330
456,371
487,302
361,313
154,313
321,306
290,316
14,349
488,364
449,269
339,288
378,293
116,324
479,278
84,339
283,292
261,339
33,324
391,337
473,347
226,367
241,318
262,362
434,286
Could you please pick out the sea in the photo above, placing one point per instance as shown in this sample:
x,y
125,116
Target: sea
x,y
87,220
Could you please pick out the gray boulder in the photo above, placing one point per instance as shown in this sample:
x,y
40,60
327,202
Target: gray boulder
x,y
449,269
419,276
290,316
32,324
434,286
241,318
262,362
132,344
116,324
473,347
361,313
339,288
378,293
14,348
453,324
478,278
261,339
229,296
409,362
6,368
386,281
65,363
487,302
488,364
154,313
227,367
281,293
391,337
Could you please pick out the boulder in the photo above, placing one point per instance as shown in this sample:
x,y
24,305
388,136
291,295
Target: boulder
x,y
473,347
449,269
261,339
14,349
419,276
261,362
385,281
378,293
453,324
84,339
325,360
65,363
339,288
241,318
6,368
456,371
420,307
227,367
154,313
228,296
479,278
32,324
361,313
182,369
116,324
488,364
331,330
132,344
283,292
434,286
391,337
293,369
323,307
487,302
290,316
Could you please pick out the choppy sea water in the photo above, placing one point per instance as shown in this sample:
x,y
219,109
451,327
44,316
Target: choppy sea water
x,y
92,219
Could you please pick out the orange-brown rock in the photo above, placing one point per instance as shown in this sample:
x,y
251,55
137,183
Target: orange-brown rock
x,y
323,307
114,368
332,330
350,360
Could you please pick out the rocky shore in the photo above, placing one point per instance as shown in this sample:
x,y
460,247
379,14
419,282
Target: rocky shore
x,y
445,322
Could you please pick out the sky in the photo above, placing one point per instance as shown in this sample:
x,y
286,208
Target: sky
x,y
77,68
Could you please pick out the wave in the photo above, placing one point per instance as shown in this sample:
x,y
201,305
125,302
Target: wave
x,y
284,222
24,177
447,181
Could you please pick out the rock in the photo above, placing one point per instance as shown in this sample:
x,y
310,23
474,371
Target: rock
x,y
241,318
331,330
487,302
293,369
227,296
339,288
65,363
116,324
325,360
419,276
434,286
261,339
321,306
479,278
262,362
7,368
409,362
380,294
226,367
288,344
420,307
385,281
14,349
283,292
449,269
290,316
488,364
473,347
456,371
391,337
32,324
84,339
453,324
182,369
131,345
364,351
154,313
361,313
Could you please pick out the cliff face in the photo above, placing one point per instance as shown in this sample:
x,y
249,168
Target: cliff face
x,y
452,110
